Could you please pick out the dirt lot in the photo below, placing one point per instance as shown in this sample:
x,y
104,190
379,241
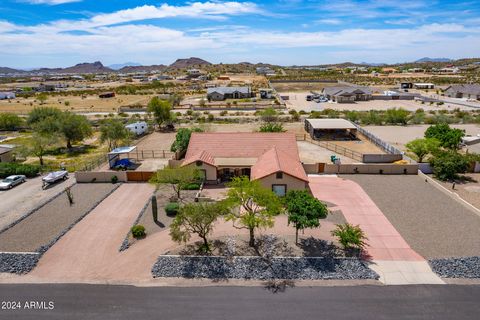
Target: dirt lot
x,y
400,135
468,189
76,103
298,102
433,224
48,222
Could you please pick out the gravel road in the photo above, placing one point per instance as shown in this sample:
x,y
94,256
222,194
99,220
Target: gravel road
x,y
433,224
25,197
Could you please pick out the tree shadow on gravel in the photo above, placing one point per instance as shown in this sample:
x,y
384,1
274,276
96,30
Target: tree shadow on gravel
x,y
313,247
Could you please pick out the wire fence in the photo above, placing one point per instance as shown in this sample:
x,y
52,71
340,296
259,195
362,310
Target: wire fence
x,y
332,147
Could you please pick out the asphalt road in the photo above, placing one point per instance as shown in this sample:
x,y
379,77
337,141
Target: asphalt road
x,y
127,302
15,202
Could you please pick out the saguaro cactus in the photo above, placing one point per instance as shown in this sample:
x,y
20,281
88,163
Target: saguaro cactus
x,y
154,208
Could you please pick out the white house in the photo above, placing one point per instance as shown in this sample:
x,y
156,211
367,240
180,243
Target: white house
x,y
137,128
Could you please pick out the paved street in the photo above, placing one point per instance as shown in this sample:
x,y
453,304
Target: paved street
x,y
360,302
26,196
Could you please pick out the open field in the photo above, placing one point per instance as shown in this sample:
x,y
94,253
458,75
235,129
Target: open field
x,y
76,103
433,224
298,102
400,135
283,87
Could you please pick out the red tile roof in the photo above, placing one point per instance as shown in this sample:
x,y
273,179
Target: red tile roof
x,y
204,156
276,160
241,144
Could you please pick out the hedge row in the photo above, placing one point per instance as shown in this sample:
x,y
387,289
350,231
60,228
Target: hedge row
x,y
8,169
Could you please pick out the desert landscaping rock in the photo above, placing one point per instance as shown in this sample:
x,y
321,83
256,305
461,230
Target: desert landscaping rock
x,y
468,267
50,222
18,262
255,268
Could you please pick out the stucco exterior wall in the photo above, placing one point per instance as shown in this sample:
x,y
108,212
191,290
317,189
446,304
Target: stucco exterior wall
x,y
291,182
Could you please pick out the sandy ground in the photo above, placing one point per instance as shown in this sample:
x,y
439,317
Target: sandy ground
x,y
18,201
468,190
435,225
311,153
400,135
45,224
298,102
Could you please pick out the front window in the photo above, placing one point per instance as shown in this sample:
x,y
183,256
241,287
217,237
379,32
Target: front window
x,y
279,189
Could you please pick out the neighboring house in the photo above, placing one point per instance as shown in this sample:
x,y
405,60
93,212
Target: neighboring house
x,y
389,70
406,85
423,85
137,128
469,91
266,93
6,153
271,158
222,93
7,95
347,94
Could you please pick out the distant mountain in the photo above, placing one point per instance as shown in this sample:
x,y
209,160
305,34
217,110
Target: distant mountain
x,y
133,69
374,64
427,59
119,66
96,67
189,63
6,70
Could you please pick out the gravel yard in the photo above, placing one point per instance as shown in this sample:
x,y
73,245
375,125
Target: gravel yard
x,y
433,224
51,220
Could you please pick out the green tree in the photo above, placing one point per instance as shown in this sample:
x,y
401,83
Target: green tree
x,y
161,110
182,139
113,131
74,128
176,177
396,116
447,164
251,205
304,211
195,218
43,113
423,147
269,115
449,137
39,145
10,121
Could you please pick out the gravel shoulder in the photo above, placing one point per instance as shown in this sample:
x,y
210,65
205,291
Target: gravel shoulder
x,y
433,224
48,222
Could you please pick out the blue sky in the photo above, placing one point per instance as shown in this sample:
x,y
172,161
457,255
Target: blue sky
x,y
58,33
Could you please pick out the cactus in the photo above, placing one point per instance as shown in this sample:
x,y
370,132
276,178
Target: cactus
x,y
68,192
154,208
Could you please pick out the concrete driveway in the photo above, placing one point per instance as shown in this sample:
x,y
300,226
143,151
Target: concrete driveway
x,y
25,197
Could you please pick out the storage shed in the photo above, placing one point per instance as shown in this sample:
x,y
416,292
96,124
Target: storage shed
x,y
330,129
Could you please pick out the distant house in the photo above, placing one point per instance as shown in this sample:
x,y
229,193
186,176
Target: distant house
x,y
6,153
406,85
265,71
423,85
469,91
106,95
222,93
223,78
137,128
347,94
266,93
7,95
270,158
389,70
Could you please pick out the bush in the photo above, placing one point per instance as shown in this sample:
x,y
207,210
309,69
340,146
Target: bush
x,y
172,208
350,236
114,179
448,164
138,231
191,186
8,169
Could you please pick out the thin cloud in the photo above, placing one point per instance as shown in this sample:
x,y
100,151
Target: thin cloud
x,y
50,2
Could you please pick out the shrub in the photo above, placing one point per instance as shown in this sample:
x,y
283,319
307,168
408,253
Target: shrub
x,y
191,186
138,231
172,208
114,179
448,164
350,236
8,169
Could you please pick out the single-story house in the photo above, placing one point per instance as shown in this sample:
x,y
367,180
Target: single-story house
x,y
222,93
266,93
347,94
138,128
7,95
332,129
271,158
469,91
6,153
423,85
406,85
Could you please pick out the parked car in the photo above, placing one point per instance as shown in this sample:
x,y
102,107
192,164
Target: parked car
x,y
53,177
309,98
11,181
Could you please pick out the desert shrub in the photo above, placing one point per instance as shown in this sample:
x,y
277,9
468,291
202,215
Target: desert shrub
x,y
8,169
138,231
191,186
350,236
448,164
172,208
114,179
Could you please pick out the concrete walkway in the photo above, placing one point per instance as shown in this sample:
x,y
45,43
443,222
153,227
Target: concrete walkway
x,y
392,257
